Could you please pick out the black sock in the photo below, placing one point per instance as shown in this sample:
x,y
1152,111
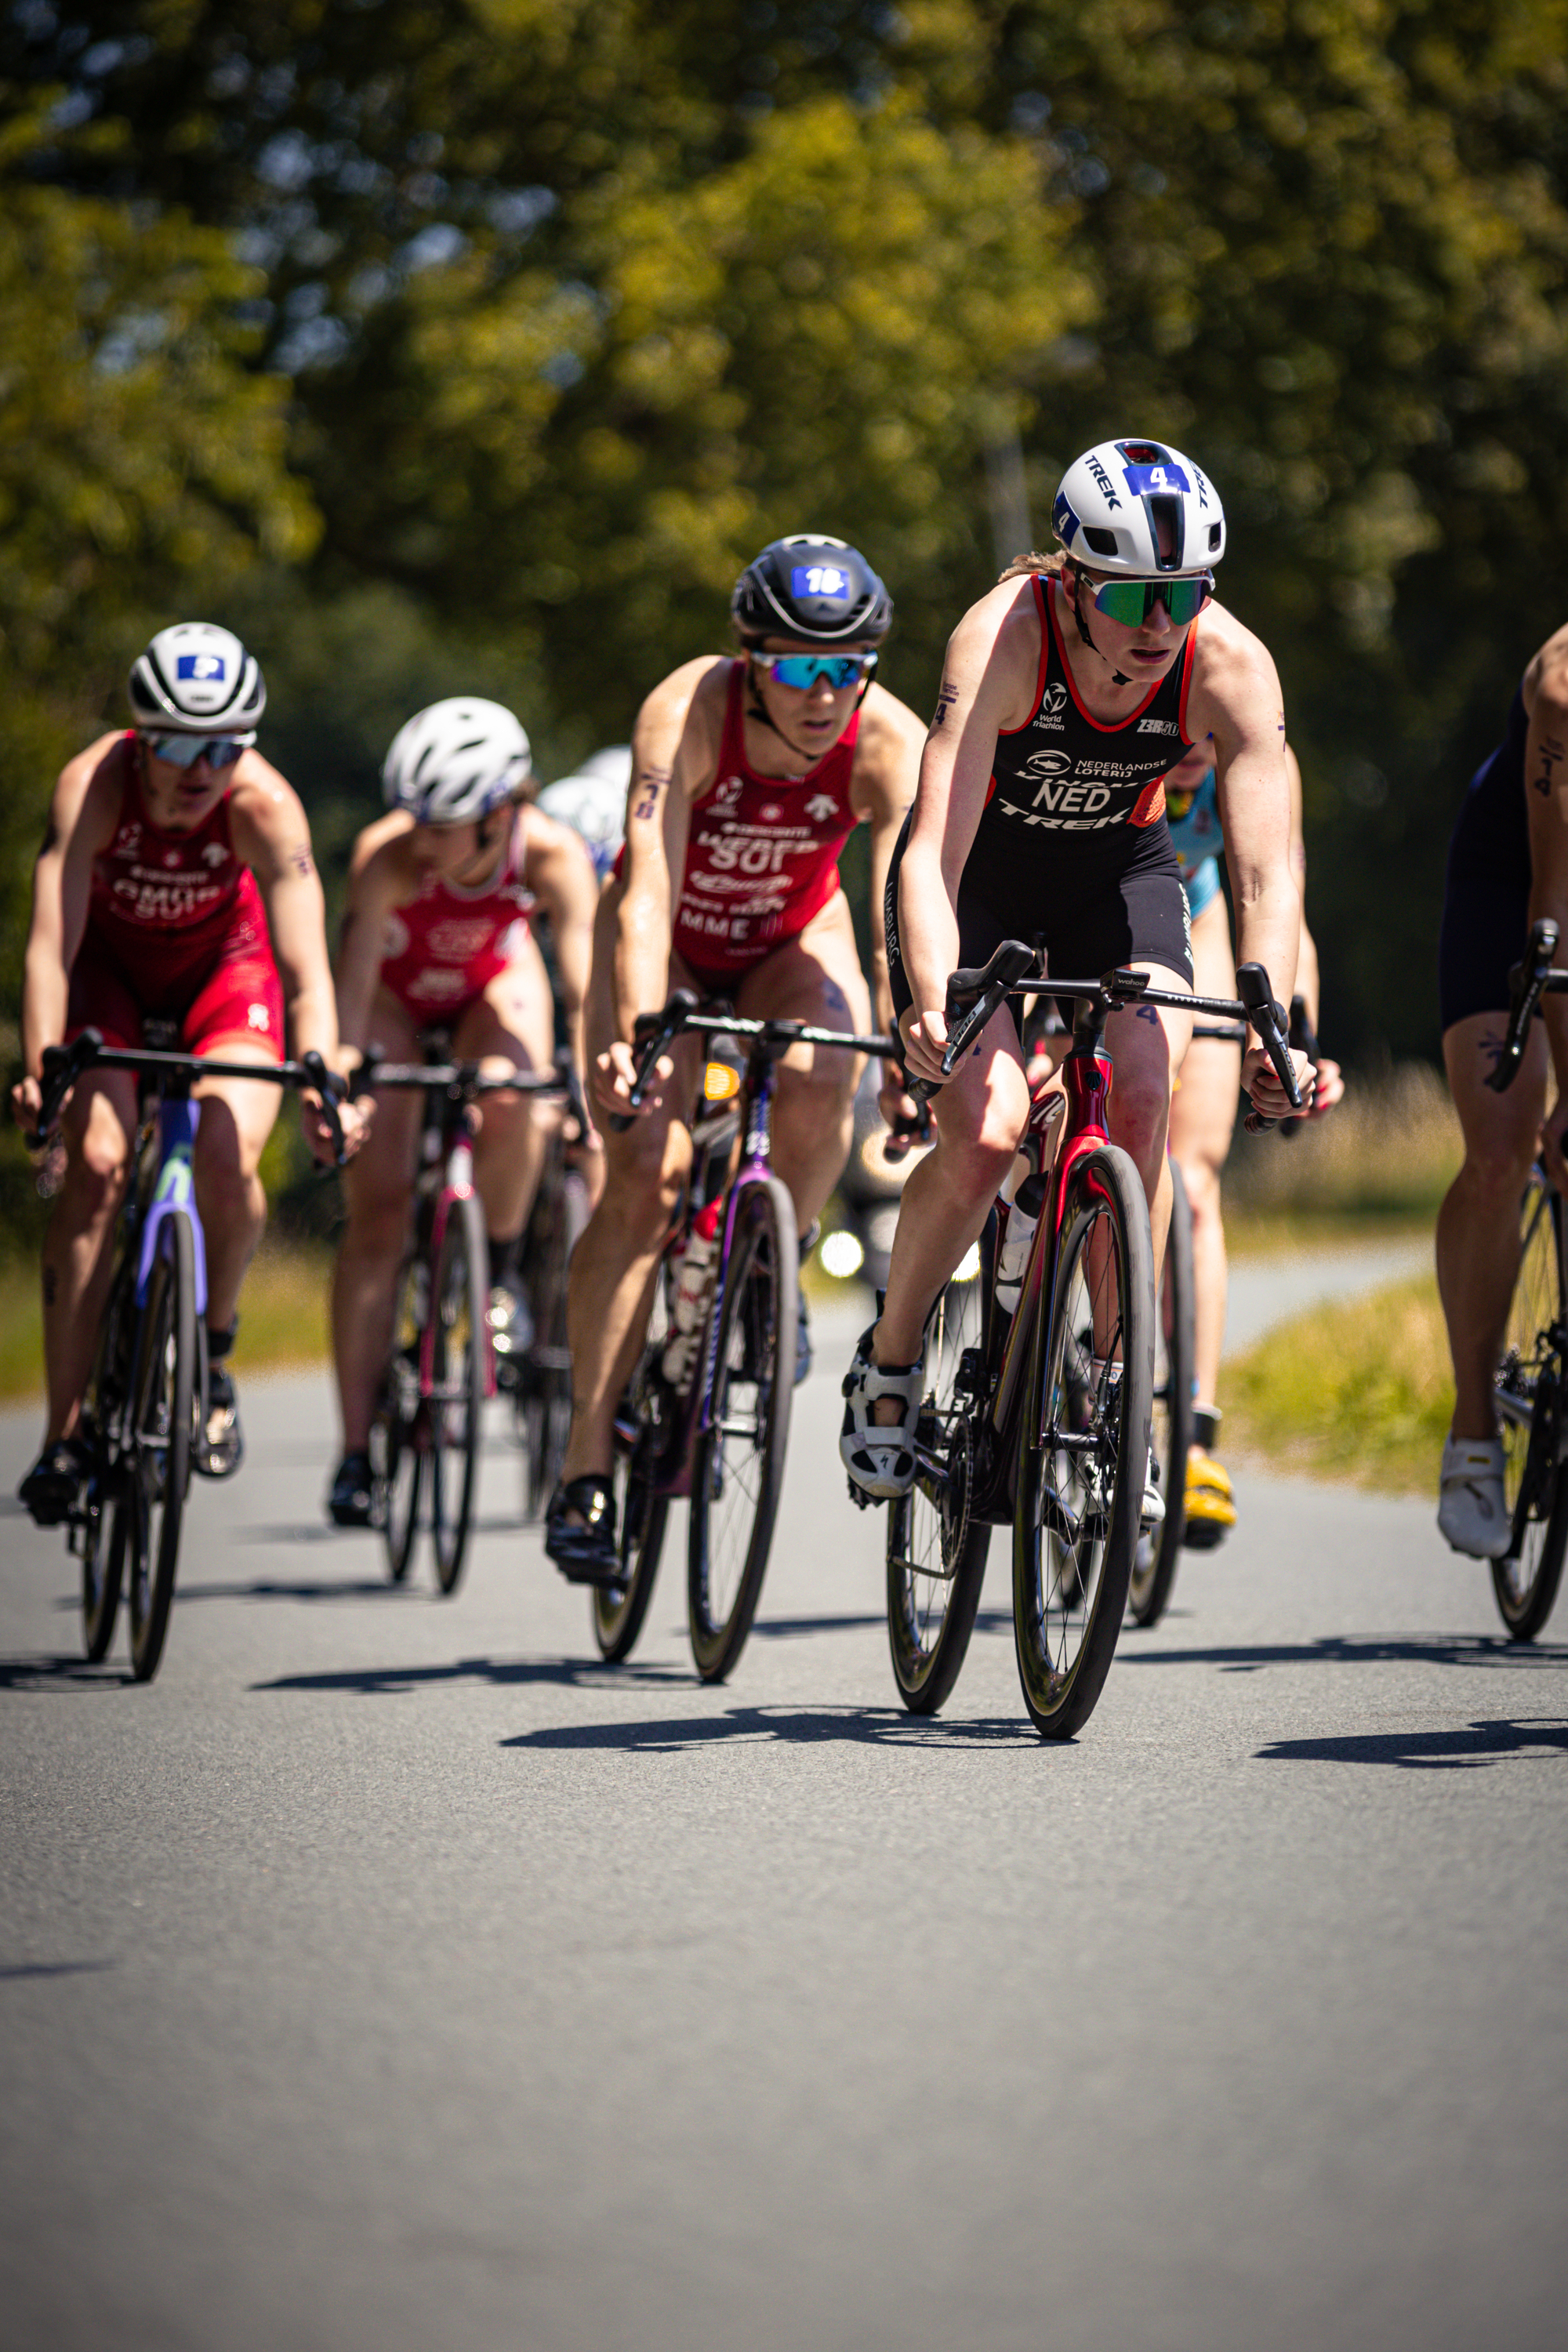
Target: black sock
x,y
503,1262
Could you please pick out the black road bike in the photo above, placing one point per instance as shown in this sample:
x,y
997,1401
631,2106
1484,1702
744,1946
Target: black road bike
x,y
144,1411
1043,1419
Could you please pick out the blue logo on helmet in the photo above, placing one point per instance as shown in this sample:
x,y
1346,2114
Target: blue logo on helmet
x,y
1152,481
1064,522
200,667
819,579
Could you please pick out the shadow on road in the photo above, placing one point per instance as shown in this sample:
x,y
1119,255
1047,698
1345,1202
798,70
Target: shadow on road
x,y
60,1676
866,1727
22,1970
1355,1650
1426,1752
379,1588
571,1673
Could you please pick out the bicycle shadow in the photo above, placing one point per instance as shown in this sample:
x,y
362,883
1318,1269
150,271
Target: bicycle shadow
x,y
789,1726
20,1970
279,1589
500,1674
1362,1650
60,1676
1478,1746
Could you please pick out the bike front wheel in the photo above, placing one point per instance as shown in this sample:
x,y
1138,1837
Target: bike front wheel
x,y
936,1549
1160,1548
398,1432
150,1509
1085,1452
543,1392
641,1434
738,1462
459,1363
1531,1393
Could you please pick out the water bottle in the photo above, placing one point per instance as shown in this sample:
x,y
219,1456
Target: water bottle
x,y
691,1284
1013,1259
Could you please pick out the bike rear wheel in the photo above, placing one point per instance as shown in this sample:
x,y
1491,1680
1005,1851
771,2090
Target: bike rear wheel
x,y
397,1435
936,1551
1531,1391
457,1367
1160,1549
1085,1451
157,1465
543,1394
738,1462
642,1431
103,1577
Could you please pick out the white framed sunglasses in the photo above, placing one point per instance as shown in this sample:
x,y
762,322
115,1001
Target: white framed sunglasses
x,y
219,752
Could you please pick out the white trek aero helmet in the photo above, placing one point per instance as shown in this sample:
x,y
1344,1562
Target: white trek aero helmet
x,y
197,679
1113,498
454,762
592,802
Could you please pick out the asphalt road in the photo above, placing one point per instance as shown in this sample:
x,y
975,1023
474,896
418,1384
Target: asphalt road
x,y
390,1974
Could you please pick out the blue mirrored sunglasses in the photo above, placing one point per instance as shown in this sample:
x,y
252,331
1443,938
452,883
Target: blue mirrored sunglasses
x,y
801,670
184,751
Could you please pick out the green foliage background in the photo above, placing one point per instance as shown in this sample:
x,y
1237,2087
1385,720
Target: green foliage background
x,y
445,343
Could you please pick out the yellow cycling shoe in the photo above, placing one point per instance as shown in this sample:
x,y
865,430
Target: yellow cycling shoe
x,y
1211,1503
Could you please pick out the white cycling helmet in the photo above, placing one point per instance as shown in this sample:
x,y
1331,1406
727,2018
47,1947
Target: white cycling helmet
x,y
454,762
592,802
197,679
1113,499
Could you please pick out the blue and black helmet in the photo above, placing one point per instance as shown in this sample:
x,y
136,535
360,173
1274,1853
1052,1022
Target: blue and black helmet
x,y
821,589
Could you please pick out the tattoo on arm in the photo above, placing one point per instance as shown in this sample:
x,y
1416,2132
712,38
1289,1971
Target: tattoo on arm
x,y
650,784
1551,751
300,858
947,696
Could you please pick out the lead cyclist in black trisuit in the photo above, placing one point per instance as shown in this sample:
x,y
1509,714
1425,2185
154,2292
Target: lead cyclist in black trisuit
x,y
1067,694
1507,867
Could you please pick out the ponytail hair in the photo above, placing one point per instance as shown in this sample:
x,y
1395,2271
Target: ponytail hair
x,y
1023,566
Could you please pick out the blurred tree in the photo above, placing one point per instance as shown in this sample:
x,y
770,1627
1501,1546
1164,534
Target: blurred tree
x,y
138,452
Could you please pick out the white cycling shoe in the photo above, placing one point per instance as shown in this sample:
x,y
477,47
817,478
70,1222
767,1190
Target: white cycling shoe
x,y
1154,1512
1471,1511
879,1456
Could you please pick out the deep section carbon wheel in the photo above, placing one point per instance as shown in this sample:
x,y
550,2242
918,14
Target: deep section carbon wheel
x,y
1532,1390
1160,1548
936,1549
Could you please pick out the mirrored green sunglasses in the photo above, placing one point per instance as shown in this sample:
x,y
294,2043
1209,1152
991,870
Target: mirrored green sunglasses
x,y
1131,602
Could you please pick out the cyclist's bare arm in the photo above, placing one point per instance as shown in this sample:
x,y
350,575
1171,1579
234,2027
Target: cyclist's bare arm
x,y
675,754
1234,697
381,880
272,835
83,814
1330,1085
1545,688
881,786
560,872
988,679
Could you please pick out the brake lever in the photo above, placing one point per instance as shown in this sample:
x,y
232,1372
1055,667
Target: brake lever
x,y
1527,985
332,1087
1267,1017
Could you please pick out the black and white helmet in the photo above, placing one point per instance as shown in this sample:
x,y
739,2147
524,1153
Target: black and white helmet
x,y
821,589
1115,498
197,679
454,762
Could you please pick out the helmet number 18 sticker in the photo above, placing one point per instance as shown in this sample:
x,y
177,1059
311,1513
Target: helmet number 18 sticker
x,y
819,579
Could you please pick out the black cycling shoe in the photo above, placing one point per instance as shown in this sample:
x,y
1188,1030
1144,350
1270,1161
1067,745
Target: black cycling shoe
x,y
588,1554
351,1503
51,1486
223,1451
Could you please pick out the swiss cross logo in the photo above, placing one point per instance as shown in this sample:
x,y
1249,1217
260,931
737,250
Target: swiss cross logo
x,y
171,859
772,814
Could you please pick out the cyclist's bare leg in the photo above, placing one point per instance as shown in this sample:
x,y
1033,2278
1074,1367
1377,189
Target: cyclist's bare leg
x,y
378,1185
1147,1042
816,978
980,1116
612,1270
1478,1224
512,1026
1203,1117
97,1127
237,1116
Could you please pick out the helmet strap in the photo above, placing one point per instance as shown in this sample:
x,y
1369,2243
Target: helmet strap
x,y
1118,677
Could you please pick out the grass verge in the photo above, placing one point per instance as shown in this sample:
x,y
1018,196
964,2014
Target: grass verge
x,y
284,1316
1361,1391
